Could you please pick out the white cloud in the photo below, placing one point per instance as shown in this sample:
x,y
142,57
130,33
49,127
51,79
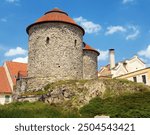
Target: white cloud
x,y
133,36
89,26
103,55
127,1
16,51
21,59
131,31
12,1
135,33
114,29
145,53
3,20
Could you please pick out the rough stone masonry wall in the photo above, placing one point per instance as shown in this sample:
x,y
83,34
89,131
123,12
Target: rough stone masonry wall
x,y
89,64
55,53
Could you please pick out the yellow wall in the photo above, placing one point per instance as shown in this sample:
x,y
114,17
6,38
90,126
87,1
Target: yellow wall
x,y
145,71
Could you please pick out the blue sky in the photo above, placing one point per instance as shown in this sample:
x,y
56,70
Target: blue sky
x,y
120,24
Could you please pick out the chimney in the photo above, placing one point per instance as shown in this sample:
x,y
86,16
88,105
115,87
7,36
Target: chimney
x,y
112,58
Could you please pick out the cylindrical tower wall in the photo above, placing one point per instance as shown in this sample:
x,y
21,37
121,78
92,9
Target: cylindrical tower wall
x,y
55,51
90,64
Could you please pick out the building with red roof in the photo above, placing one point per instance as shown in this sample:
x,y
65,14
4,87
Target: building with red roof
x,y
133,69
9,73
56,51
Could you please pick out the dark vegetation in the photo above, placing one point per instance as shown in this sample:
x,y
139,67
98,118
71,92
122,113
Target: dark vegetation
x,y
136,105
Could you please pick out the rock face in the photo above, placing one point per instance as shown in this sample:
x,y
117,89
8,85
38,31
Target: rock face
x,y
75,92
78,93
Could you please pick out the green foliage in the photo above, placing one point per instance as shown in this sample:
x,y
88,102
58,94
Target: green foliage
x,y
121,99
34,110
93,108
135,105
117,87
54,85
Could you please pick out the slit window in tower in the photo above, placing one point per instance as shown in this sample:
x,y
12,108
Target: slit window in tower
x,y
75,43
47,40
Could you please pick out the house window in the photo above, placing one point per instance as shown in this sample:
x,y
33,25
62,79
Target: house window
x,y
134,79
7,99
144,79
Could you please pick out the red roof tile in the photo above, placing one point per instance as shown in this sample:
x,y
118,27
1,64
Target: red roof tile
x,y
56,15
15,68
87,47
4,84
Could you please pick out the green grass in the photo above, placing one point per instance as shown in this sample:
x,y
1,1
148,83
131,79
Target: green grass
x,y
35,110
58,84
135,105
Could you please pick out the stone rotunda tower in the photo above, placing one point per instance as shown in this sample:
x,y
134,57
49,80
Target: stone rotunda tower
x,y
55,49
90,62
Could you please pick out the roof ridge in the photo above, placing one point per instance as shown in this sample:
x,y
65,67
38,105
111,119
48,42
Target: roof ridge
x,y
88,47
57,10
16,62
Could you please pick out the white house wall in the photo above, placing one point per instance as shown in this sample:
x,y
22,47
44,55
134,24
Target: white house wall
x,y
134,65
2,99
118,72
8,76
139,78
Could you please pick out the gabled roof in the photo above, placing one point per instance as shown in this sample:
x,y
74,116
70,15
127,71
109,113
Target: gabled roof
x,y
55,15
135,56
15,68
87,47
4,84
105,71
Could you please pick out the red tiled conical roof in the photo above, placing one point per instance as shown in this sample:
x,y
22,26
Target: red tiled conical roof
x,y
56,15
87,47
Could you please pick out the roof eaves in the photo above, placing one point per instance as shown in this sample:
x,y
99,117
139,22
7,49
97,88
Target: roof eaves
x,y
36,23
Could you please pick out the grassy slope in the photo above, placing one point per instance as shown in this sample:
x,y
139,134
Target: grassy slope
x,y
35,110
117,101
135,105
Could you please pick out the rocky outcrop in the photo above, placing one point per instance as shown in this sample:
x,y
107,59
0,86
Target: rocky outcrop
x,y
78,93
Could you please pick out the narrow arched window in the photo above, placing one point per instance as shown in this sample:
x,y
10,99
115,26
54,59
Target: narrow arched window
x,y
47,40
75,43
